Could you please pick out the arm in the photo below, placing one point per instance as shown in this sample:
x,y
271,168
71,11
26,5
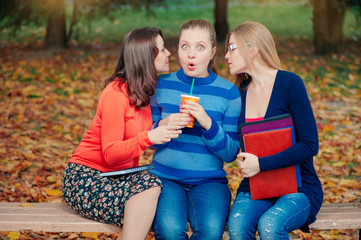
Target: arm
x,y
306,145
113,109
173,122
222,138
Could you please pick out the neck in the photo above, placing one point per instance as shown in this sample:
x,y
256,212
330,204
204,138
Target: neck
x,y
263,76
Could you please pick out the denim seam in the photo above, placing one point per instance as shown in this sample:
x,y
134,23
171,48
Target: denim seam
x,y
194,213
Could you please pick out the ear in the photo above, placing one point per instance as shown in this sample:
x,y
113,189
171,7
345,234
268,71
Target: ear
x,y
214,51
254,51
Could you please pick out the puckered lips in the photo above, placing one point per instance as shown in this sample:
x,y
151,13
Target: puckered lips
x,y
191,66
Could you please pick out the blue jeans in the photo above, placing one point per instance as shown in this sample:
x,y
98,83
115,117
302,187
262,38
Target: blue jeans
x,y
274,218
205,206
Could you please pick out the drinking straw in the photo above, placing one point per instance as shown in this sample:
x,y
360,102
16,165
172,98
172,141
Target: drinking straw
x,y
192,87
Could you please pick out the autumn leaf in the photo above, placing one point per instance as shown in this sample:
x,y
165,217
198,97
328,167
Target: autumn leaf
x,y
54,192
14,235
27,205
90,235
49,100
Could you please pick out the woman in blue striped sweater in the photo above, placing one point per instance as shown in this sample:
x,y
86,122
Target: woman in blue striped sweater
x,y
191,167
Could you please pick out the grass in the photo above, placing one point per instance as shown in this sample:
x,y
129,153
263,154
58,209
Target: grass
x,y
290,20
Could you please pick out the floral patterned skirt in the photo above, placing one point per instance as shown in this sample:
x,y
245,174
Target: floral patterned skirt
x,y
102,198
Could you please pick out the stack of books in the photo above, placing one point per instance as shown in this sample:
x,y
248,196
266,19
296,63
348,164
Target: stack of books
x,y
268,137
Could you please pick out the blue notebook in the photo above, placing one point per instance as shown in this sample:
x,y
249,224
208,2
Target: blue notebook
x,y
126,171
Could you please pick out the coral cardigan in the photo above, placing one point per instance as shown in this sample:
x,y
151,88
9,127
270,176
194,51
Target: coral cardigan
x,y
118,134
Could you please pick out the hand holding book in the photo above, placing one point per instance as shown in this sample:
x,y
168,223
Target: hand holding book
x,y
248,163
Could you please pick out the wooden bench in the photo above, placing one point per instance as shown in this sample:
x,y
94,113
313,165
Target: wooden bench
x,y
53,217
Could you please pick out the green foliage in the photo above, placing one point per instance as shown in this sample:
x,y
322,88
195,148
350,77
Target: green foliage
x,y
108,20
22,12
17,13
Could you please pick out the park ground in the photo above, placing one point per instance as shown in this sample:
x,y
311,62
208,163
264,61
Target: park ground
x,y
48,99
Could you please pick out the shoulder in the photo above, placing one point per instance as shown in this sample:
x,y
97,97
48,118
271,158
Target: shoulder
x,y
222,82
289,79
231,89
167,76
290,76
164,80
113,92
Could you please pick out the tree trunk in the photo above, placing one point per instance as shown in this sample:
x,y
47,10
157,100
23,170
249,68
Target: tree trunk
x,y
328,18
221,24
55,29
72,23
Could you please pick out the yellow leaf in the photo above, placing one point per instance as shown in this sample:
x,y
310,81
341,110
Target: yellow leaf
x,y
13,235
339,164
349,183
91,235
26,205
53,192
329,183
52,178
86,102
328,127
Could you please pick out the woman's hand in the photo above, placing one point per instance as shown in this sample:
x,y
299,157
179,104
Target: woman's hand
x,y
177,120
197,111
248,164
163,134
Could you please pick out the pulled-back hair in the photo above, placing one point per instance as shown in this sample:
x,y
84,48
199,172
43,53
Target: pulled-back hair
x,y
202,24
136,65
254,33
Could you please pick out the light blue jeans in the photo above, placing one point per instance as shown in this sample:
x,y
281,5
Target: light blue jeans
x,y
273,218
205,206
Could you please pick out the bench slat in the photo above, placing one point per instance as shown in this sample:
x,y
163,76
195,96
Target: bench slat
x,y
338,216
48,217
58,217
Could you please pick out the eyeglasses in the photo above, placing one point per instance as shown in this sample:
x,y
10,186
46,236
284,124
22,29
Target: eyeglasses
x,y
232,47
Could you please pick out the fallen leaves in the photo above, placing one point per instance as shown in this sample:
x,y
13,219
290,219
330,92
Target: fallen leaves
x,y
47,102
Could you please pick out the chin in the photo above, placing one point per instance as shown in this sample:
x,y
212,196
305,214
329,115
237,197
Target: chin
x,y
189,73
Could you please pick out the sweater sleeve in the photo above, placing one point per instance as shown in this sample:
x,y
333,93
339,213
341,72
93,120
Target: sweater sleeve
x,y
222,138
115,111
297,102
156,116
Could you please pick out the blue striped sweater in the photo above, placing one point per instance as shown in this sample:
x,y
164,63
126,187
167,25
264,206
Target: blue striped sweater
x,y
197,156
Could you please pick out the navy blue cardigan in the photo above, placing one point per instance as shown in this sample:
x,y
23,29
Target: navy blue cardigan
x,y
289,96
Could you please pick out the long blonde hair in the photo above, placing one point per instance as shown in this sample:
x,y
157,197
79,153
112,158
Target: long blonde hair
x,y
254,33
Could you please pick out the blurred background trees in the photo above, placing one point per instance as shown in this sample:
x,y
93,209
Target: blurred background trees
x,y
328,19
61,17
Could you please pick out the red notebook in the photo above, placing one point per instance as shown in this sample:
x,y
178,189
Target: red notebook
x,y
273,183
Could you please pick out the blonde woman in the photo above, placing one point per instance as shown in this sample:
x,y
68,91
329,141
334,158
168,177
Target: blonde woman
x,y
268,91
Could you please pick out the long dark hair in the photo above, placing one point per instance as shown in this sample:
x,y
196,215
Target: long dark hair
x,y
136,65
202,24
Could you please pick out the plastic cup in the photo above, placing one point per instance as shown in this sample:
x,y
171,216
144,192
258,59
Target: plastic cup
x,y
185,98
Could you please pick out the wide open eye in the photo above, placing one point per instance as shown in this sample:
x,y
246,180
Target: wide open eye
x,y
200,47
184,46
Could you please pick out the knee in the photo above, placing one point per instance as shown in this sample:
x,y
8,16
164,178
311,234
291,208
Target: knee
x,y
169,231
208,231
269,229
237,229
